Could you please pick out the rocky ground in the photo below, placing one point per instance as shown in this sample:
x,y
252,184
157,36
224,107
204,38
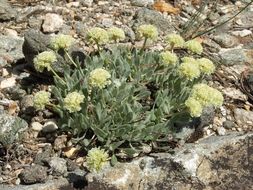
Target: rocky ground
x,y
30,142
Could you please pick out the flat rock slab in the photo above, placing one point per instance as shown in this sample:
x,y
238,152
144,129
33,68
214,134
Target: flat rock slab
x,y
218,162
60,184
11,128
10,49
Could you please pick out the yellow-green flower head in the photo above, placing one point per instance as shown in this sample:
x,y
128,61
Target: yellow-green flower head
x,y
96,159
97,35
189,70
216,98
72,102
194,107
116,34
169,58
175,40
99,78
148,31
44,60
189,60
40,100
206,66
207,95
194,46
62,41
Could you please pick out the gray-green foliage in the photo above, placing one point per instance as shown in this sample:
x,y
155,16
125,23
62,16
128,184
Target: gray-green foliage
x,y
139,106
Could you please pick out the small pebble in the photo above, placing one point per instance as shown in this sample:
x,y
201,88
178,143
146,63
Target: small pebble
x,y
8,82
221,131
49,127
58,165
36,126
228,124
52,23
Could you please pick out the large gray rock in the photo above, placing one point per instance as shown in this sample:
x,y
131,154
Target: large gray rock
x,y
6,11
226,40
11,128
218,162
236,56
142,3
147,16
243,117
34,174
58,166
246,17
37,42
10,49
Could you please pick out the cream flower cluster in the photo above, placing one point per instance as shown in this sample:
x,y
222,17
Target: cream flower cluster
x,y
44,60
169,58
40,99
116,34
194,46
189,60
175,40
205,96
72,102
189,70
97,35
99,78
206,66
194,107
62,41
148,31
96,159
202,65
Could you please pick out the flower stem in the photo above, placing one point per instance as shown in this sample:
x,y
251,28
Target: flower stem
x,y
98,46
71,60
57,76
144,44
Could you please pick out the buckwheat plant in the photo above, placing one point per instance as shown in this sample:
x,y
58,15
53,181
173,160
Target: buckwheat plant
x,y
97,159
41,99
116,34
175,41
98,36
148,32
194,46
62,41
122,99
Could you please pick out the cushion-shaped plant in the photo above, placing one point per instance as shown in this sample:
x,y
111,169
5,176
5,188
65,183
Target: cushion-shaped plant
x,y
124,97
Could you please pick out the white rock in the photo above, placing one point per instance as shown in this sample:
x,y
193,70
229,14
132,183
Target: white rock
x,y
5,72
73,4
52,23
242,33
223,111
142,3
49,127
226,9
87,3
234,94
58,165
243,117
103,3
10,32
107,22
7,83
36,126
221,131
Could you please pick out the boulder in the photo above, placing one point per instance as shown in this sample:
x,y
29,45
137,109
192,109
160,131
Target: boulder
x,y
217,162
